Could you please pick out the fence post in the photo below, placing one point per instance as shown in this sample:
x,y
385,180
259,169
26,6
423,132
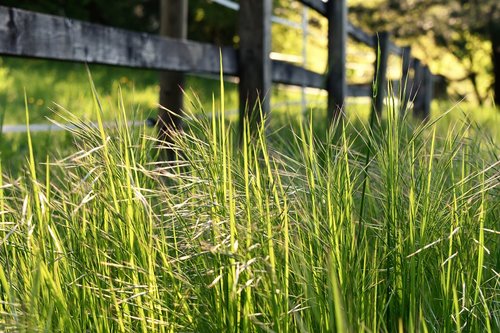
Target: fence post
x,y
420,108
305,34
428,89
254,61
173,24
337,44
405,83
382,52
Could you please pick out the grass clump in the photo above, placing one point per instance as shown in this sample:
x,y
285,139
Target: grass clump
x,y
263,236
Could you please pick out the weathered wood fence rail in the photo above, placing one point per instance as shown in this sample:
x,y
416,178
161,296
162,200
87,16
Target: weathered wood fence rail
x,y
29,34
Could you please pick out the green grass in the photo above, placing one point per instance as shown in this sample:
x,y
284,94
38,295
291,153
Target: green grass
x,y
50,84
298,231
53,86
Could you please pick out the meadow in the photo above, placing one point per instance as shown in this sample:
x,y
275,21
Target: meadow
x,y
369,225
52,87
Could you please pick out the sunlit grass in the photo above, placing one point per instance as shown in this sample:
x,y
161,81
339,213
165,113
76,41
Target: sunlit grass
x,y
51,82
263,236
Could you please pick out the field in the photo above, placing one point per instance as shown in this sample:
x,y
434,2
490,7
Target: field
x,y
367,226
53,87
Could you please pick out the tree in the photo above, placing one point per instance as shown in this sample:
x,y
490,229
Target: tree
x,y
139,15
455,25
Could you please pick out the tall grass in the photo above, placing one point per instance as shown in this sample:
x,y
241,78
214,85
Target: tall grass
x,y
262,236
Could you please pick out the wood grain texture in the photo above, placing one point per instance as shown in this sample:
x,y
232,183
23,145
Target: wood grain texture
x,y
174,24
29,34
337,49
255,64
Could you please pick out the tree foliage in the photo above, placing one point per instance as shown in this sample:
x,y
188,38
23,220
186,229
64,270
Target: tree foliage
x,y
457,26
139,15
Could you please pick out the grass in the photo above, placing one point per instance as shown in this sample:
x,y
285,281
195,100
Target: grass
x,y
52,85
65,83
268,236
55,86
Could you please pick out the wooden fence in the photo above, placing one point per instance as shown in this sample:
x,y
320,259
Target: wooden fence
x,y
29,34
